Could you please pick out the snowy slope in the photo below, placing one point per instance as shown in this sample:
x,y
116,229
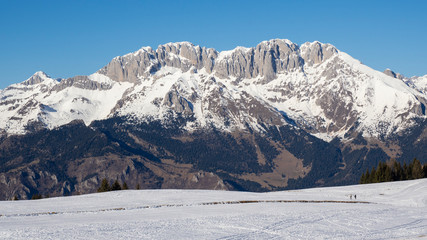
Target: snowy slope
x,y
52,103
381,211
340,93
418,83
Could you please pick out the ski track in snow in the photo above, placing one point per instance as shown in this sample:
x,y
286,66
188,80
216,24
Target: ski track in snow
x,y
395,211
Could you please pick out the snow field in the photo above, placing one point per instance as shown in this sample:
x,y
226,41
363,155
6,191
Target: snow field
x,y
395,211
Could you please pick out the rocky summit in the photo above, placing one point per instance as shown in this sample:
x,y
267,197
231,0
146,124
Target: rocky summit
x,y
274,116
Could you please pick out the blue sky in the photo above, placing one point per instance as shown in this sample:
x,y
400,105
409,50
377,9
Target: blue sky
x,y
68,38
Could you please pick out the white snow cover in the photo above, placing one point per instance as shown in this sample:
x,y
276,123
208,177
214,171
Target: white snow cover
x,y
141,50
100,78
57,107
394,210
419,83
226,55
76,103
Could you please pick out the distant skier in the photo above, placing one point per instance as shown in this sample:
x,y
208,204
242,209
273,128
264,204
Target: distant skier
x,y
355,196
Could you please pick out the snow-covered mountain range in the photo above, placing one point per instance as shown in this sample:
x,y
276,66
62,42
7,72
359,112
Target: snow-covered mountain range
x,y
272,117
313,86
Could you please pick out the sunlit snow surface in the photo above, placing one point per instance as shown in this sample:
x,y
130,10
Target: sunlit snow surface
x,y
381,211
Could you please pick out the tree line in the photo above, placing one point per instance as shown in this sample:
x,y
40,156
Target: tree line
x,y
394,171
105,186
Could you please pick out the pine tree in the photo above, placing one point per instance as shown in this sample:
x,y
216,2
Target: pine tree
x,y
363,179
372,176
406,175
417,170
387,174
105,186
36,196
397,171
367,176
125,186
379,174
116,186
409,169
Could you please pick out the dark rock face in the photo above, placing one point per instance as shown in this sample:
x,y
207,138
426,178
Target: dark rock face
x,y
74,159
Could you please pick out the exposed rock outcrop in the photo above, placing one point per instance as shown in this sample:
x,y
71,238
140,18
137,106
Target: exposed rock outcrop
x,y
83,82
37,78
265,60
390,73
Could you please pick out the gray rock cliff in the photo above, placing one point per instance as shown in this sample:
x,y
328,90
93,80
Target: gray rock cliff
x,y
265,60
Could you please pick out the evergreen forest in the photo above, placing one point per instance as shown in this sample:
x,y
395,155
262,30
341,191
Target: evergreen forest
x,y
394,171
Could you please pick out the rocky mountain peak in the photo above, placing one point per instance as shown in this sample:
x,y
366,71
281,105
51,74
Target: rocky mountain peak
x,y
316,52
390,73
37,78
265,60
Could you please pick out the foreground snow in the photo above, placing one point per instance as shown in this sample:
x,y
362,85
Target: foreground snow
x,y
381,211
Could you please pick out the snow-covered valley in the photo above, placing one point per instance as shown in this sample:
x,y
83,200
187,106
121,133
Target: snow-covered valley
x,y
395,210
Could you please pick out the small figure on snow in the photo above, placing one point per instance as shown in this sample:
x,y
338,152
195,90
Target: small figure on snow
x,y
355,196
351,196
